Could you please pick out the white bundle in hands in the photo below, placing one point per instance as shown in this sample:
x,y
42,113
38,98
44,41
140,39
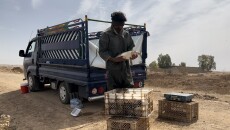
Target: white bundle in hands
x,y
127,55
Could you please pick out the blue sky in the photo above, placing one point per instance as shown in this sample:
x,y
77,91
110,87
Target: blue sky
x,y
184,29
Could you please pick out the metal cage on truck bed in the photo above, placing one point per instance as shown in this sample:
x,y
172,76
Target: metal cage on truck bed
x,y
68,43
64,44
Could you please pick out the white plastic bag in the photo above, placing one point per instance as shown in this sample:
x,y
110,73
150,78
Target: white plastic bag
x,y
76,103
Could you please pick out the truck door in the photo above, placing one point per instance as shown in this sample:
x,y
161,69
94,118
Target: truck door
x,y
30,58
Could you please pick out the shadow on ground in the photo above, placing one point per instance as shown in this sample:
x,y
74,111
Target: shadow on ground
x,y
43,110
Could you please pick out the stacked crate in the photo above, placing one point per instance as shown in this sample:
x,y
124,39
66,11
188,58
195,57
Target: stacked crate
x,y
129,109
127,123
179,107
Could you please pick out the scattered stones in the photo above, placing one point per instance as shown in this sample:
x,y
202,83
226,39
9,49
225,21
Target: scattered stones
x,y
4,121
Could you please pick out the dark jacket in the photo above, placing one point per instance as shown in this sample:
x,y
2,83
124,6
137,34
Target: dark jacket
x,y
111,44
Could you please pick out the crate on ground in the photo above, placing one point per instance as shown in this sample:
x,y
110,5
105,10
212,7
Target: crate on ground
x,y
180,97
131,102
179,111
125,123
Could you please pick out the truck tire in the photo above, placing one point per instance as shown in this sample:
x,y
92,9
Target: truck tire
x,y
64,93
33,83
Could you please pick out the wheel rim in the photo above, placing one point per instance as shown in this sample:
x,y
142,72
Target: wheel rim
x,y
62,93
30,82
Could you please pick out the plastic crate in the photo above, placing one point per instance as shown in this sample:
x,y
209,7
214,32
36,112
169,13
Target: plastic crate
x,y
124,123
130,102
179,111
180,97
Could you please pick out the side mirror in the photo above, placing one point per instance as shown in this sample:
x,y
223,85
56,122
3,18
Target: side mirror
x,y
21,53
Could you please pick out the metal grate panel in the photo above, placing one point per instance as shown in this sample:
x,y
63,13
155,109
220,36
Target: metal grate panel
x,y
60,54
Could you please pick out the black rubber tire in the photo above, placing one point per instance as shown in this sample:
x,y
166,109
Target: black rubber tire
x,y
64,93
33,82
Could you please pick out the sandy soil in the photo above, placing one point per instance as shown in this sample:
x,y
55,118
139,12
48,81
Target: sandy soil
x,y
43,110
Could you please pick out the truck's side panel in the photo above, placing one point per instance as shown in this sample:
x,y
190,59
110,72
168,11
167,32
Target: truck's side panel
x,y
68,74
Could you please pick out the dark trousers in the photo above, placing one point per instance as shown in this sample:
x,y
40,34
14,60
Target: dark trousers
x,y
119,79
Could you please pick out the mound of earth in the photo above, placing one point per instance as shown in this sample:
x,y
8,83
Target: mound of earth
x,y
11,68
214,82
17,70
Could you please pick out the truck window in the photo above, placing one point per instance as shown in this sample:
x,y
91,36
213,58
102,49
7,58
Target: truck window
x,y
31,49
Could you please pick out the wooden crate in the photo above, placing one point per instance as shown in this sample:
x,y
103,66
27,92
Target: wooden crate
x,y
124,123
136,102
179,111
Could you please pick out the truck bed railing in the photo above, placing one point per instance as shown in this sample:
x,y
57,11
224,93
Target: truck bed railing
x,y
64,44
61,27
68,43
95,20
133,31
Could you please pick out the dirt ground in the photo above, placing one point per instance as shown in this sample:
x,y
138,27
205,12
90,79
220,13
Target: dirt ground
x,y
43,110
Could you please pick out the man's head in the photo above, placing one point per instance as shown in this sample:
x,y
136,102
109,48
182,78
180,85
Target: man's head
x,y
118,20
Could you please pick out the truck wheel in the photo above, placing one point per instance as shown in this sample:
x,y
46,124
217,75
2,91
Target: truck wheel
x,y
33,82
64,93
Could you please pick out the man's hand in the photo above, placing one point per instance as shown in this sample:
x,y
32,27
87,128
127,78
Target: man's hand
x,y
134,56
117,59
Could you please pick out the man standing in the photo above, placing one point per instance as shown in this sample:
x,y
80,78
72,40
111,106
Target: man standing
x,y
114,41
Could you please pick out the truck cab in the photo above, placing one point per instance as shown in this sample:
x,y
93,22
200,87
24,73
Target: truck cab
x,y
29,55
